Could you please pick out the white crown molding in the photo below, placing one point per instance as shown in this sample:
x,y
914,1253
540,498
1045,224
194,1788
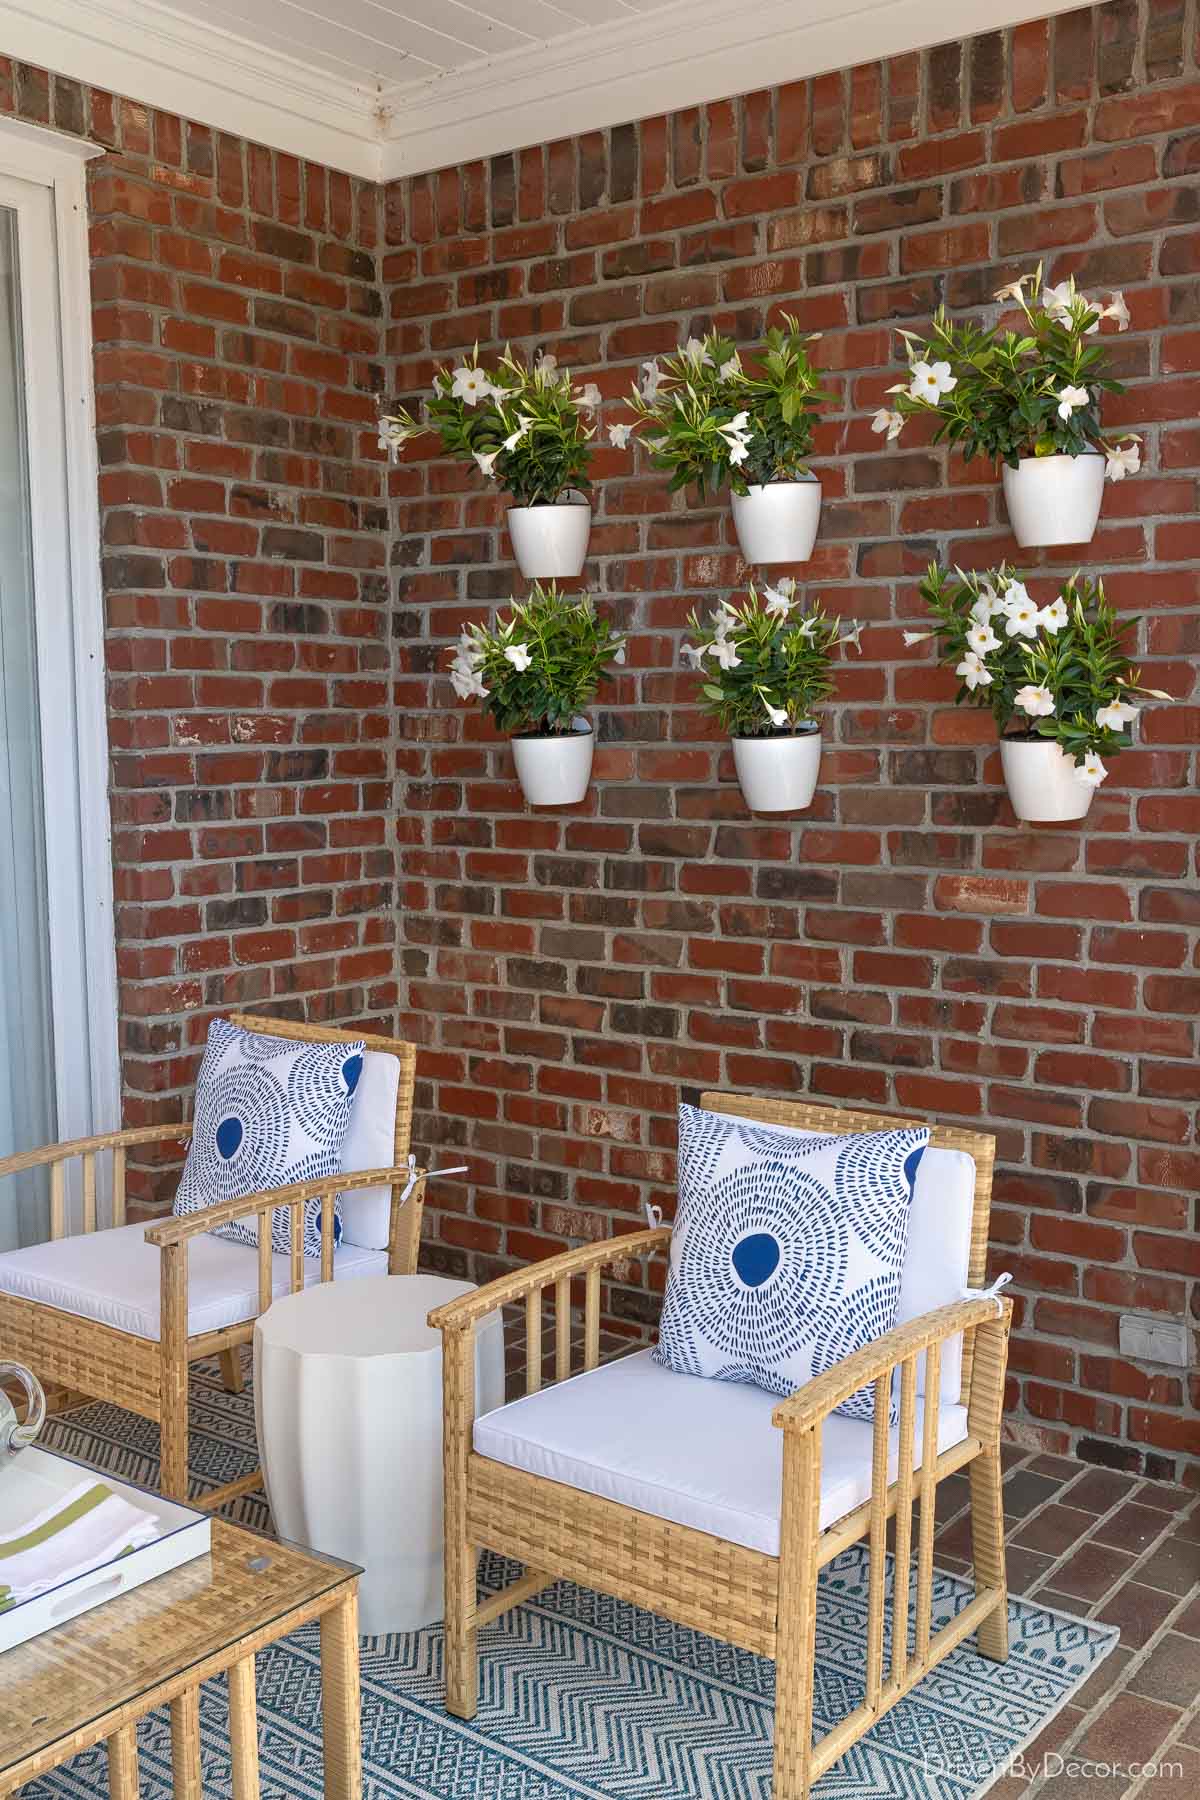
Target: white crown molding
x,y
149,53
673,57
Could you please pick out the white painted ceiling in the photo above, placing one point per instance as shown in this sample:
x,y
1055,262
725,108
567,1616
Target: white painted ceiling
x,y
391,87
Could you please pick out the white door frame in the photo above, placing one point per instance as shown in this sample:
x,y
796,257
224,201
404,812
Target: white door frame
x,y
56,329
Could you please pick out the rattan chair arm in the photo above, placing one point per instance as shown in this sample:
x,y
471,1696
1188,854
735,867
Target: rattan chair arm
x,y
470,1308
178,1229
824,1393
109,1140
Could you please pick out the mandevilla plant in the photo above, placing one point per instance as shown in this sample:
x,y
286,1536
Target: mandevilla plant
x,y
1010,395
710,419
536,669
1060,671
528,428
767,663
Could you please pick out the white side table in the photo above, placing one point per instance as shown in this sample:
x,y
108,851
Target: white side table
x,y
348,1399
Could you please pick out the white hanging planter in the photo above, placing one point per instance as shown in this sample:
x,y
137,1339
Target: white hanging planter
x,y
1054,499
550,542
778,773
1043,783
778,523
554,767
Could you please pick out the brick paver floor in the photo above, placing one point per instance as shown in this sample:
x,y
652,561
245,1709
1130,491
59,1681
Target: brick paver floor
x,y
1126,1551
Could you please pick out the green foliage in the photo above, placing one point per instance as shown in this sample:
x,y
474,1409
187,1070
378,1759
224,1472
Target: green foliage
x,y
710,419
1071,655
537,668
1010,395
526,427
766,665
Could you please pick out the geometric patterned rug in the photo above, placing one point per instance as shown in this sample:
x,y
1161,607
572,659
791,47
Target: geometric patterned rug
x,y
583,1697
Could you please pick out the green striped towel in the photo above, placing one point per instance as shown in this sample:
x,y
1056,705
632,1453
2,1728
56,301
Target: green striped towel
x,y
80,1531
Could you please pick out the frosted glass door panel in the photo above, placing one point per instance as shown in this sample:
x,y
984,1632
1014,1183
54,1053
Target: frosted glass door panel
x,y
27,1110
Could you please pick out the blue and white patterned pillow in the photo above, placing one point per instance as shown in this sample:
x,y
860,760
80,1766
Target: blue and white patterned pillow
x,y
786,1253
269,1111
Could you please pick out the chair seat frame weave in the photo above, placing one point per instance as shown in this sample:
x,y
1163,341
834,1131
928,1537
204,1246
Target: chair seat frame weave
x,y
150,1378
762,1603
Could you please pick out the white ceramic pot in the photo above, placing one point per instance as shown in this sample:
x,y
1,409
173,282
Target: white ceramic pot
x,y
778,523
550,542
554,767
778,773
1054,499
1043,782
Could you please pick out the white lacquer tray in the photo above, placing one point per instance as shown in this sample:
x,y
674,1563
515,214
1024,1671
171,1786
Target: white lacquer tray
x,y
30,1483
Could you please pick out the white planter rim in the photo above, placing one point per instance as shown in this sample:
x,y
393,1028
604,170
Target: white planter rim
x,y
551,737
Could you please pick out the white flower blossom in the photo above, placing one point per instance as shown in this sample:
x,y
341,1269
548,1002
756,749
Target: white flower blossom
x,y
651,380
1058,301
1012,289
1116,715
519,656
547,364
729,369
590,397
1070,399
851,636
929,381
467,683
1052,618
514,438
779,599
486,460
776,714
1037,701
693,654
1118,310
1122,460
619,655
725,653
916,637
981,639
973,672
471,385
1092,770
1021,618
887,420
619,436
695,353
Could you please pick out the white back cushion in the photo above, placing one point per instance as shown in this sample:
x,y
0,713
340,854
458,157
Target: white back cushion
x,y
939,1248
370,1143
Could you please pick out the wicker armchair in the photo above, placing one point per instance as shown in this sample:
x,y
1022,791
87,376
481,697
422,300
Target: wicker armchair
x,y
48,1320
762,1602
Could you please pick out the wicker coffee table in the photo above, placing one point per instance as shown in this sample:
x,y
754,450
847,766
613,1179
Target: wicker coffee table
x,y
94,1678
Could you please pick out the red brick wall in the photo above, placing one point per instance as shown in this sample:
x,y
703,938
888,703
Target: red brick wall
x,y
905,944
238,338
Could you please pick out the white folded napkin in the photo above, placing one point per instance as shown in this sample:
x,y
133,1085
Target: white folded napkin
x,y
80,1531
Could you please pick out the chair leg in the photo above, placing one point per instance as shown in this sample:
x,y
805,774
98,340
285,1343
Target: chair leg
x,y
173,1440
461,1631
232,1373
796,1618
987,1545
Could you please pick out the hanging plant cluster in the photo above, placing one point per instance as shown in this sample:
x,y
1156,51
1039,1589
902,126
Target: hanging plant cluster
x,y
1029,400
1057,678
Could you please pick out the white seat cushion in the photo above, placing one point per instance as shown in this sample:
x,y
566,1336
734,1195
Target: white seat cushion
x,y
698,1452
113,1277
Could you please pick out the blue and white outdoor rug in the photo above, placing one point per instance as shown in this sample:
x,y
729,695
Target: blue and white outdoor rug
x,y
583,1697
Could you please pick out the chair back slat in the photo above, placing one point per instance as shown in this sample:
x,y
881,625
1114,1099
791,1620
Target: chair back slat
x,y
562,1328
118,1184
591,1318
89,1192
58,1200
533,1341
265,1266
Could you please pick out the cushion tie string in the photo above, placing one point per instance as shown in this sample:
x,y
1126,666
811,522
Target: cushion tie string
x,y
654,1215
430,1174
989,1293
